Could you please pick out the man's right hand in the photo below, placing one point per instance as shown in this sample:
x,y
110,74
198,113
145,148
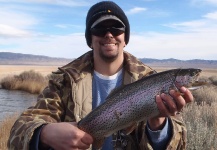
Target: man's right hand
x,y
64,136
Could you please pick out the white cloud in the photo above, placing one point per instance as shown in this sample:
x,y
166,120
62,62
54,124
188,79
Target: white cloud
x,y
193,39
15,23
64,26
212,15
70,3
9,31
211,1
208,23
14,18
136,10
187,26
67,46
204,2
182,46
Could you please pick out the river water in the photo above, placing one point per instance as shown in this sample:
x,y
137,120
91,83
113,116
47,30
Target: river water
x,y
14,101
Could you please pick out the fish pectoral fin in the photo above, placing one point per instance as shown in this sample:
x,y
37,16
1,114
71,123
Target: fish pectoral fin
x,y
98,143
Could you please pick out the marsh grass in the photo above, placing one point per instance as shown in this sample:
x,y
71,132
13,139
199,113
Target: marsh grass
x,y
29,81
5,127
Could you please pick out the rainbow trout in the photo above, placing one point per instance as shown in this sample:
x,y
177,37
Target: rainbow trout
x,y
133,103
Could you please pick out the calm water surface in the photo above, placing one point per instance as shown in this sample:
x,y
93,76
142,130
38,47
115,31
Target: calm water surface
x,y
14,101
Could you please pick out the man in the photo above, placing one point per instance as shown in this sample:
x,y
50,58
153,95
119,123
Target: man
x,y
84,85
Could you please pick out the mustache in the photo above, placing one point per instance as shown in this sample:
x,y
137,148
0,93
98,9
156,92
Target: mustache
x,y
109,41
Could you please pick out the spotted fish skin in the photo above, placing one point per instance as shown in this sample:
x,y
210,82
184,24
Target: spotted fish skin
x,y
134,102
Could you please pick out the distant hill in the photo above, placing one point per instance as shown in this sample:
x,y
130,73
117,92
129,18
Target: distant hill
x,y
7,58
196,63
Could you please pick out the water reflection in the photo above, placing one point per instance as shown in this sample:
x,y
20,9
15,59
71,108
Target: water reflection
x,y
14,101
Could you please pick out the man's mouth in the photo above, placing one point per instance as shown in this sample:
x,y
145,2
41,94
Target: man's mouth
x,y
111,44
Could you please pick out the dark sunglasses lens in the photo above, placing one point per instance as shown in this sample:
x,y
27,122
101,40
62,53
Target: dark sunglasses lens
x,y
98,32
102,31
116,31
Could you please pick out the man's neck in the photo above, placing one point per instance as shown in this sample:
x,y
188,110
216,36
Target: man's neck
x,y
108,68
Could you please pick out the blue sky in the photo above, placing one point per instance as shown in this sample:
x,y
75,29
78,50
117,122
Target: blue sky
x,y
180,29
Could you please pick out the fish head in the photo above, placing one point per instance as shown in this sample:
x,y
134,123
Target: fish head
x,y
187,77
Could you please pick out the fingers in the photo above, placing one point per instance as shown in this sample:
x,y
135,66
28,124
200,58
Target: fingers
x,y
65,136
172,103
80,141
166,105
178,100
80,144
85,137
187,95
162,106
84,140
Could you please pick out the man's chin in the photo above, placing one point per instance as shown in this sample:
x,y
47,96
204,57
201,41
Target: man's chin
x,y
109,58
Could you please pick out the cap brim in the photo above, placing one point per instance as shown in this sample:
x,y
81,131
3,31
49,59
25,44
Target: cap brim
x,y
106,17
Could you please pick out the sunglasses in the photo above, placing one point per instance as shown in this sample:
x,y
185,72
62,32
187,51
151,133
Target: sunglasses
x,y
102,31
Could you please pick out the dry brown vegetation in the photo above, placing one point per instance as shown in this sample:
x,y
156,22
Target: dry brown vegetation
x,y
29,81
200,116
5,127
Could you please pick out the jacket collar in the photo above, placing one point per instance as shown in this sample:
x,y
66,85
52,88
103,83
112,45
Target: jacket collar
x,y
83,65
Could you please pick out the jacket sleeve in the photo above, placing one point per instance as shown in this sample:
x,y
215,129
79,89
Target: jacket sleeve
x,y
178,139
48,109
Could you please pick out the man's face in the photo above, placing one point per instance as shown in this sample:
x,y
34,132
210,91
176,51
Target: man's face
x,y
108,44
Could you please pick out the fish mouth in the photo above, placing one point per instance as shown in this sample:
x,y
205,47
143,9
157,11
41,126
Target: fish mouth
x,y
196,83
196,77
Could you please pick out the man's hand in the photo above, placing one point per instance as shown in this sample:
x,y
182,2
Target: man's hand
x,y
169,105
64,136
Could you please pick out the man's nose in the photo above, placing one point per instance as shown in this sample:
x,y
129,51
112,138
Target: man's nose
x,y
108,34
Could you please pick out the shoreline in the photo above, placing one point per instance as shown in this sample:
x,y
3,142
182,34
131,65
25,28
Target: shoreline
x,y
10,70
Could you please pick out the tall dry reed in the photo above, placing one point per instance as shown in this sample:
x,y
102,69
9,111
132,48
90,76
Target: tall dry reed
x,y
5,127
29,81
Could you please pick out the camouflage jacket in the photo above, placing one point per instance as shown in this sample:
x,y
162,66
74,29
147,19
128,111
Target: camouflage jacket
x,y
70,99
